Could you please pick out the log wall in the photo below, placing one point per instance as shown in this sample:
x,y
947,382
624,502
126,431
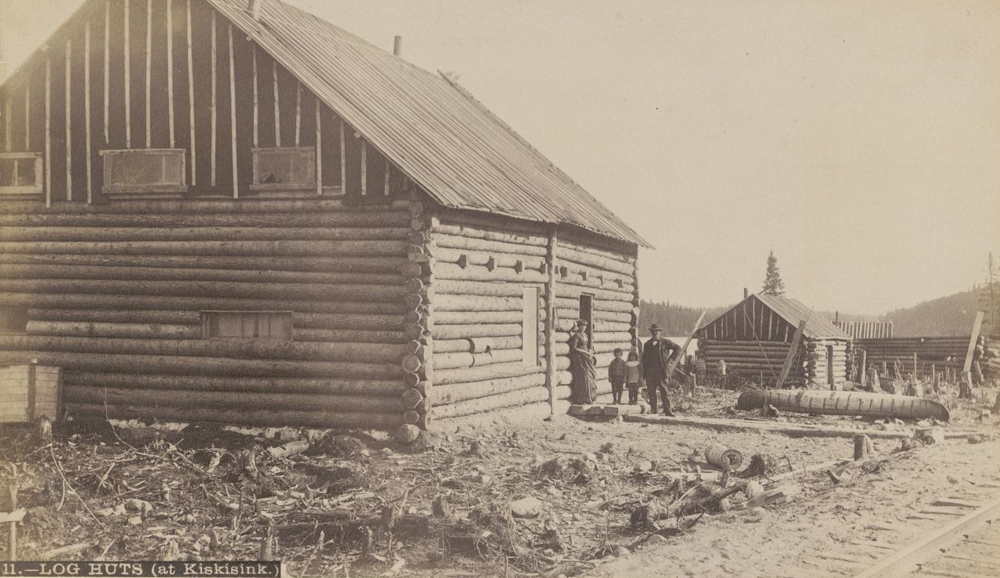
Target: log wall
x,y
761,362
113,294
932,353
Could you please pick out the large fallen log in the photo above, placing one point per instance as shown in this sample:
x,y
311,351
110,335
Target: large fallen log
x,y
209,366
246,401
22,234
845,403
260,418
306,291
388,353
329,386
170,302
125,273
260,263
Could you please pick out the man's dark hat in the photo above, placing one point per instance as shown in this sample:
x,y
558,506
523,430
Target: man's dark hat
x,y
655,327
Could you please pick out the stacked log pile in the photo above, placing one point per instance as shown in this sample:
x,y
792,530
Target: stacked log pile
x,y
114,295
933,353
607,273
817,364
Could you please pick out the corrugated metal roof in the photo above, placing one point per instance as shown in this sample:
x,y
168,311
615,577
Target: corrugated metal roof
x,y
794,311
432,129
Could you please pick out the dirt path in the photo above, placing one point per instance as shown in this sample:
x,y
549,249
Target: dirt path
x,y
818,533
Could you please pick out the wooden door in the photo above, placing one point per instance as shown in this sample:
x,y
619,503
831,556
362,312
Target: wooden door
x,y
829,365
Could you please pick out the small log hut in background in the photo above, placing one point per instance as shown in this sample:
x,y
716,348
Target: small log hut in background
x,y
754,337
236,222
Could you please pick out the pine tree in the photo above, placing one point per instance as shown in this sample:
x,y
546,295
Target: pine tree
x,y
773,285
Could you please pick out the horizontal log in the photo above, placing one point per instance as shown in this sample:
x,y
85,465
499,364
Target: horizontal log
x,y
612,337
476,345
613,316
480,258
600,295
300,321
608,347
490,221
380,219
103,302
490,234
456,360
475,303
487,245
491,403
263,263
205,206
454,393
349,336
599,326
474,374
447,271
562,301
853,403
22,234
585,283
308,291
233,348
560,348
129,273
331,386
600,263
477,317
129,330
466,331
598,246
258,418
208,366
241,400
478,288
214,248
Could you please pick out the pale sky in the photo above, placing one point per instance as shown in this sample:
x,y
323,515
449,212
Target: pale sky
x,y
860,139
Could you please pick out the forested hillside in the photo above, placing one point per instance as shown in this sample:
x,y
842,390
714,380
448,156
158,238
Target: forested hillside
x,y
951,315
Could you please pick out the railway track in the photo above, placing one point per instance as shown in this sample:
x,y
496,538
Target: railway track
x,y
962,540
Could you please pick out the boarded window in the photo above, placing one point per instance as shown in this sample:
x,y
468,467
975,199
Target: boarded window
x,y
13,319
247,324
287,168
529,326
144,171
20,173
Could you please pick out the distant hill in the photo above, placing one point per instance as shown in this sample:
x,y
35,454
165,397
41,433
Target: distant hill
x,y
676,320
951,315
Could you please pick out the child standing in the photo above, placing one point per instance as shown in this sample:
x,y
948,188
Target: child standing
x,y
632,374
617,372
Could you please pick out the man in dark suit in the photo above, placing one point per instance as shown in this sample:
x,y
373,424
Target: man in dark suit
x,y
656,355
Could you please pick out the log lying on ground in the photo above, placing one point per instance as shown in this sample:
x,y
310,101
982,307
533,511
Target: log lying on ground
x,y
456,360
453,393
467,331
209,366
219,289
233,348
330,386
124,273
247,401
168,302
476,345
260,418
845,403
263,263
116,234
215,248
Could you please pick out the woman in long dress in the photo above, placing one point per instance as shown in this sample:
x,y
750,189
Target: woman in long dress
x,y
581,365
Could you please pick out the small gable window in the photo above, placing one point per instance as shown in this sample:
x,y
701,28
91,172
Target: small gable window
x,y
20,173
284,169
247,324
145,171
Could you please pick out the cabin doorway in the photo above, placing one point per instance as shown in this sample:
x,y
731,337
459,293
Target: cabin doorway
x,y
829,365
587,314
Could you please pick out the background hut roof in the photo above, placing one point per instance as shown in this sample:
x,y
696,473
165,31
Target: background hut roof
x,y
431,128
794,311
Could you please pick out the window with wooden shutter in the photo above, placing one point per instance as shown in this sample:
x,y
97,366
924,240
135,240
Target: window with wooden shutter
x,y
144,171
284,169
247,324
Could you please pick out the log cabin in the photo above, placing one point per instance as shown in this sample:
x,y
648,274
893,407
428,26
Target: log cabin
x,y
754,337
234,211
